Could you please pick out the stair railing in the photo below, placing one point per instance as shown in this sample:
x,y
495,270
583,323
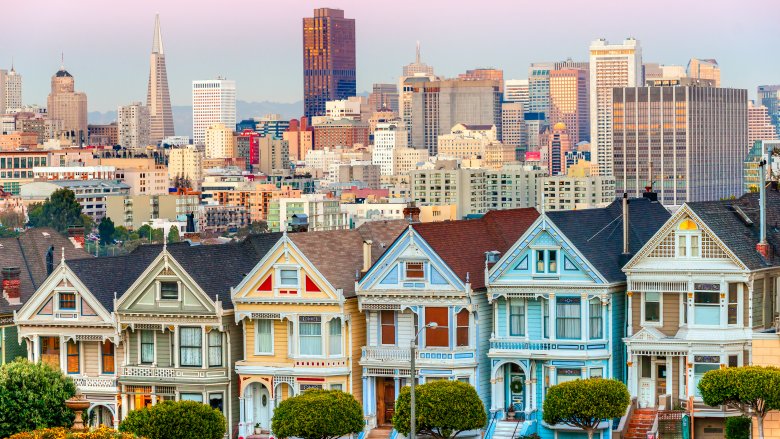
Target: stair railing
x,y
619,432
491,428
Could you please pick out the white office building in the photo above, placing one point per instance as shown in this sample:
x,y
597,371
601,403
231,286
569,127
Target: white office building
x,y
134,126
213,102
388,137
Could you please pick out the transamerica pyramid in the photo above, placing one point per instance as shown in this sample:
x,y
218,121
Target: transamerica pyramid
x,y
158,98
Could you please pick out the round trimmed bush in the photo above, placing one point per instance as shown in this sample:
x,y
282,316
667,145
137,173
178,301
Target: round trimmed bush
x,y
318,414
738,427
176,420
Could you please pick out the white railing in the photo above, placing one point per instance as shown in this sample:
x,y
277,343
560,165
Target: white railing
x,y
171,372
104,383
384,354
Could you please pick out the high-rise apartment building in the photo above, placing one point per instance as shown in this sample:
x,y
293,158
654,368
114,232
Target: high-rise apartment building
x,y
655,71
68,106
273,155
611,65
438,105
513,129
158,99
704,69
300,138
475,142
559,142
220,142
769,96
133,126
213,102
697,148
484,73
569,102
383,97
340,132
186,162
539,88
10,91
328,59
759,124
516,90
388,137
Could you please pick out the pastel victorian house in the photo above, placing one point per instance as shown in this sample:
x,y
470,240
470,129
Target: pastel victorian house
x,y
177,323
699,291
558,306
433,273
300,319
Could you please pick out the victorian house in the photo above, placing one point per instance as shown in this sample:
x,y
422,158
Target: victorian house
x,y
430,282
558,303
299,314
699,292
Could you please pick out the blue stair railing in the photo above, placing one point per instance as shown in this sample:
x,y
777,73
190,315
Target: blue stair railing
x,y
491,428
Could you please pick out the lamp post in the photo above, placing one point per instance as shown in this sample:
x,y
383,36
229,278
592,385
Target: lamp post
x,y
413,348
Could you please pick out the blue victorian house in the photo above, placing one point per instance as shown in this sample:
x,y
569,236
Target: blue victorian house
x,y
559,306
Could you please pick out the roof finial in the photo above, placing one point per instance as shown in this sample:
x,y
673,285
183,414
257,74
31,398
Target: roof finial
x,y
62,60
62,259
12,64
417,57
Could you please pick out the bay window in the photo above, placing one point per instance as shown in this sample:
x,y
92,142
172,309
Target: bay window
x,y
387,328
517,317
215,348
107,357
147,347
73,357
652,307
334,341
264,336
310,335
733,309
706,304
596,316
568,317
701,365
568,374
190,346
462,331
439,336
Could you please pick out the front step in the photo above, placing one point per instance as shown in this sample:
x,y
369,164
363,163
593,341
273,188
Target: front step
x,y
640,423
380,433
507,429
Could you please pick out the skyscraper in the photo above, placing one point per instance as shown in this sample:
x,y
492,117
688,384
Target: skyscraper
x,y
484,73
12,91
417,66
704,69
328,59
68,106
569,102
769,96
539,88
759,124
133,126
516,90
213,102
611,65
158,99
695,151
383,97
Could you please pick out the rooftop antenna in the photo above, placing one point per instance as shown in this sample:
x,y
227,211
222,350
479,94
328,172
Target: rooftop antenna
x,y
417,56
62,60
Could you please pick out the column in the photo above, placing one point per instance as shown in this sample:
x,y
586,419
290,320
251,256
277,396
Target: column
x,y
204,350
552,316
175,353
125,407
631,378
63,354
397,386
241,415
669,373
35,344
629,318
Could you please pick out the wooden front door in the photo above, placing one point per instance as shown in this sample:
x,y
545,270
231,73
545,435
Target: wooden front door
x,y
385,400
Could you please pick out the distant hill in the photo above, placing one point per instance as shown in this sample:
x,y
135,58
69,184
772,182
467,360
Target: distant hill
x,y
182,114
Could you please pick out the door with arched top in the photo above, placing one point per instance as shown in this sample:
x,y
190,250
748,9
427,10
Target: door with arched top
x,y
261,406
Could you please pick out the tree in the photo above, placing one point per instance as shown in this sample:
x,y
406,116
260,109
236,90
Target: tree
x,y
32,396
121,233
585,403
318,414
443,409
173,234
753,390
106,231
11,218
158,235
59,211
738,427
145,232
253,228
176,420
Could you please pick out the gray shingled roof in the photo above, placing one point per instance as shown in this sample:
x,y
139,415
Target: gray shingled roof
x,y
598,233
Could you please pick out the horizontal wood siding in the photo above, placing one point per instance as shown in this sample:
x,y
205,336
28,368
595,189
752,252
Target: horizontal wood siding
x,y
404,328
357,337
671,317
164,358
372,329
502,328
534,317
90,361
636,312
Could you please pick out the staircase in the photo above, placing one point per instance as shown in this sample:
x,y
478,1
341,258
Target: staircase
x,y
641,422
380,433
507,429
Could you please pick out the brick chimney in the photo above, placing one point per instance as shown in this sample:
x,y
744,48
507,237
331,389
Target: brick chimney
x,y
412,212
11,285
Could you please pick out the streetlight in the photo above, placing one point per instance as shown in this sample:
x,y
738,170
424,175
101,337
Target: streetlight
x,y
412,416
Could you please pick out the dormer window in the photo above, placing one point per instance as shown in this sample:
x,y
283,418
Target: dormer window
x,y
169,290
67,301
546,261
688,240
415,270
288,277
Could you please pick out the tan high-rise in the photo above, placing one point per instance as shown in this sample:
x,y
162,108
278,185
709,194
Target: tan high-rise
x,y
704,69
158,98
68,106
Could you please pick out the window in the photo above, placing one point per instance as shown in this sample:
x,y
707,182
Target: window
x,y
107,357
67,301
169,290
73,357
387,322
50,351
216,401
310,331
215,348
733,360
540,261
652,307
688,240
516,317
415,270
682,246
596,312
197,397
596,372
552,261
645,367
462,331
567,374
546,261
334,341
706,306
337,386
701,365
288,277
147,347
264,336
190,346
439,336
546,318
733,311
568,317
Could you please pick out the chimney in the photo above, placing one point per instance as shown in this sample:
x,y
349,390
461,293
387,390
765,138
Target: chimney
x,y
762,247
412,212
11,284
625,223
49,260
367,255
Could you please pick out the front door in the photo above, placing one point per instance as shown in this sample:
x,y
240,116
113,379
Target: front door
x,y
646,382
389,401
660,379
261,401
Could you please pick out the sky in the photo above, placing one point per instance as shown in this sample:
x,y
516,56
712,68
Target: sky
x,y
258,43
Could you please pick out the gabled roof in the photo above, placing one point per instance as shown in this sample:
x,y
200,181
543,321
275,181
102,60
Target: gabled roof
x,y
462,244
598,233
338,254
739,237
28,252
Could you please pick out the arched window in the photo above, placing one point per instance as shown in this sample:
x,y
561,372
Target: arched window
x,y
688,238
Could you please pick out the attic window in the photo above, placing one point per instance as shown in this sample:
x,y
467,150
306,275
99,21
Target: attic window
x,y
415,270
169,290
67,301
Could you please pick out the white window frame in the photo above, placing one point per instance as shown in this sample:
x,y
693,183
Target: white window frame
x,y
257,329
141,346
323,347
509,318
722,316
660,321
603,325
278,277
687,235
591,369
341,337
415,279
178,298
547,251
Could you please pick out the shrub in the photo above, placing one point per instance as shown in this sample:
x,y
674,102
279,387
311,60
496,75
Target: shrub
x,y
585,403
61,433
738,427
32,396
176,420
443,409
318,414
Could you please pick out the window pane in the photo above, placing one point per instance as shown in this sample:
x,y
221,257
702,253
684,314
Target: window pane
x,y
216,401
546,318
169,290
695,246
107,354
438,336
540,261
415,270
568,317
335,337
191,345
462,335
67,301
264,341
310,338
388,327
552,264
565,375
198,397
50,351
147,346
596,319
652,306
215,348
73,357
681,246
288,277
517,317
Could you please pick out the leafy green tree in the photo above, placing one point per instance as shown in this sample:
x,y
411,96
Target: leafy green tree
x,y
11,218
106,230
585,403
121,233
59,211
318,414
145,232
158,235
33,396
88,223
753,390
443,409
173,235
5,232
176,420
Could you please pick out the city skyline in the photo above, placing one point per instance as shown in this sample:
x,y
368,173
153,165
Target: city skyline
x,y
114,48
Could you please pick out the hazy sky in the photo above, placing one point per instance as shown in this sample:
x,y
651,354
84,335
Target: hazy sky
x,y
258,42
